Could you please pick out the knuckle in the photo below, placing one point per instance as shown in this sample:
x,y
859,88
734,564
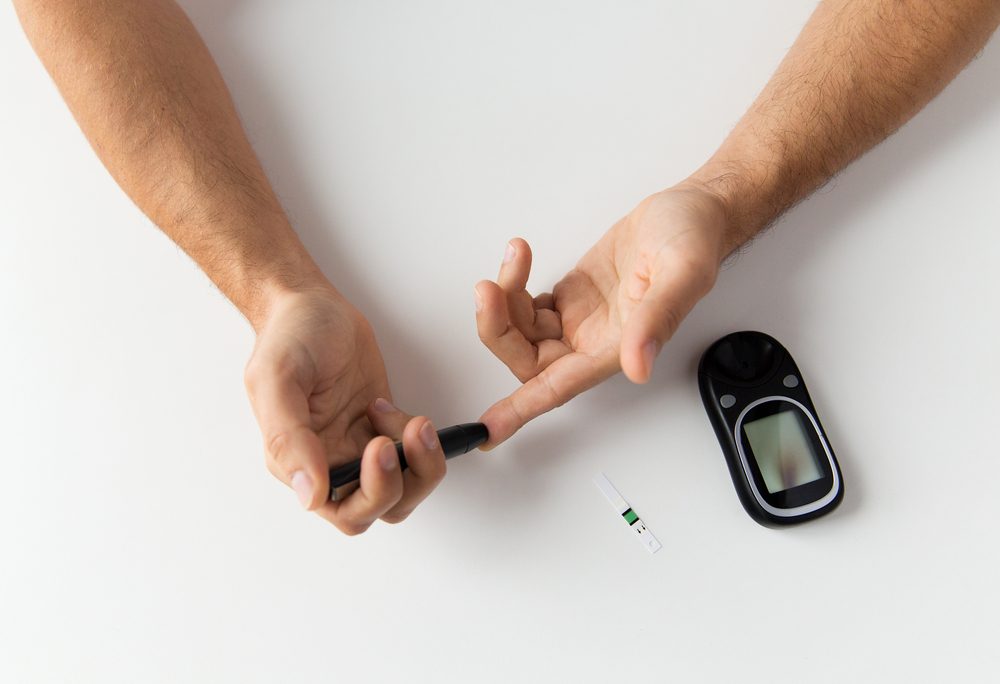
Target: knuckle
x,y
671,322
555,397
520,418
276,450
704,279
432,471
283,368
523,375
488,334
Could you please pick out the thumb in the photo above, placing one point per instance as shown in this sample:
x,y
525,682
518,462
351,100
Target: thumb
x,y
654,320
294,452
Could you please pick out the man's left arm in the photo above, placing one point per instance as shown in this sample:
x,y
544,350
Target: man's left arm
x,y
858,70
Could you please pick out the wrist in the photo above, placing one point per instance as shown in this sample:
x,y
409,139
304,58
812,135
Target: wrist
x,y
271,293
742,192
281,279
755,182
265,262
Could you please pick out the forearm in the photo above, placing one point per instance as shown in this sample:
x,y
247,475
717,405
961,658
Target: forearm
x,y
150,99
857,72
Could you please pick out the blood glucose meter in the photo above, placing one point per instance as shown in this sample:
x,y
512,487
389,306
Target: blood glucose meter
x,y
778,455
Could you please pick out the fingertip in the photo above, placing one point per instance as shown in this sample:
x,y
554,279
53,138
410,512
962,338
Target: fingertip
x,y
487,293
491,443
648,354
544,301
491,313
377,468
377,411
479,291
488,446
423,450
411,433
380,447
516,266
303,487
428,435
635,376
520,246
321,493
500,423
297,458
637,362
639,345
484,288
387,418
382,405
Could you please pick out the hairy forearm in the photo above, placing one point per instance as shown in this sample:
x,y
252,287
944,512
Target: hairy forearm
x,y
857,72
150,99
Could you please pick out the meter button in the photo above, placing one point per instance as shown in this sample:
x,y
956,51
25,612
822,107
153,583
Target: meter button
x,y
790,381
727,400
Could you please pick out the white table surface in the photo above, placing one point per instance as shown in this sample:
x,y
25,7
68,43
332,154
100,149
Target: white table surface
x,y
142,540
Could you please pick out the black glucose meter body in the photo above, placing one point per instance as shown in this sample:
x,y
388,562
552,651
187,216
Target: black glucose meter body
x,y
781,463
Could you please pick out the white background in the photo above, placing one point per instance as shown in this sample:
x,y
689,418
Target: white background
x,y
142,540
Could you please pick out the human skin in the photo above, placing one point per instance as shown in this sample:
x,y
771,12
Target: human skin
x,y
147,94
858,71
151,101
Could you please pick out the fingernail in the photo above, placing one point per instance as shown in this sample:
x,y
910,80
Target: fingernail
x,y
383,406
428,436
509,254
387,457
479,300
303,486
649,355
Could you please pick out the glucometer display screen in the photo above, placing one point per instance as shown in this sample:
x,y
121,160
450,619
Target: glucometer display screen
x,y
784,453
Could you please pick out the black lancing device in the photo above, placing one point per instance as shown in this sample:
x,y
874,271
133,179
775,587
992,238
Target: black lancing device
x,y
779,458
455,441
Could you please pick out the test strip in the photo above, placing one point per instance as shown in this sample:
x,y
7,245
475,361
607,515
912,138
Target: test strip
x,y
621,506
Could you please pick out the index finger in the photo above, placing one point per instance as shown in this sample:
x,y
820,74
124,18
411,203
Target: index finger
x,y
565,378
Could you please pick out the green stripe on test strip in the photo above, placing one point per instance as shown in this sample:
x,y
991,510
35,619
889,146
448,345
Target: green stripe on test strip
x,y
630,516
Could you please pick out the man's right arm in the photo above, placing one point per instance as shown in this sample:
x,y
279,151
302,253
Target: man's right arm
x,y
149,97
151,101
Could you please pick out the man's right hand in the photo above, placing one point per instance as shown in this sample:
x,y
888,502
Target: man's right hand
x,y
318,387
178,149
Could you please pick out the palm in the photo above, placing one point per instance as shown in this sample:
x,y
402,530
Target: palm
x,y
331,352
346,383
318,387
594,300
587,303
574,338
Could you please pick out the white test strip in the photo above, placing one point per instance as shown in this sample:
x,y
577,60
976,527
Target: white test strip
x,y
621,506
